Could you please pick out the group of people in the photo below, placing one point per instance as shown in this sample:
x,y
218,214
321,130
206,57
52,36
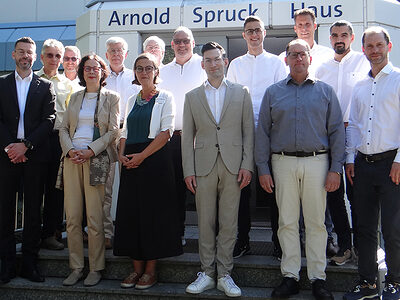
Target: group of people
x,y
293,121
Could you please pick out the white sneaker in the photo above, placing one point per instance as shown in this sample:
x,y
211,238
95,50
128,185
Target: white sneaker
x,y
227,285
201,284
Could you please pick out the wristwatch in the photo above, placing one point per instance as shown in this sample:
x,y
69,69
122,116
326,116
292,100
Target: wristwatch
x,y
28,144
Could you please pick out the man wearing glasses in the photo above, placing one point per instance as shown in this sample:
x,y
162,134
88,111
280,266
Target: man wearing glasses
x,y
257,70
53,208
71,59
156,46
180,76
300,122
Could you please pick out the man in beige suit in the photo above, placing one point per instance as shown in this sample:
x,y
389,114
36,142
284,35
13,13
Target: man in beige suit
x,y
217,157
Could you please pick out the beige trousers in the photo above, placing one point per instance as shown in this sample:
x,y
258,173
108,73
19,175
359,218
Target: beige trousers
x,y
301,180
222,185
77,190
108,221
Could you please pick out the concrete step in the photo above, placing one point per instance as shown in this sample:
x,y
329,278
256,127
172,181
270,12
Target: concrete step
x,y
249,270
53,289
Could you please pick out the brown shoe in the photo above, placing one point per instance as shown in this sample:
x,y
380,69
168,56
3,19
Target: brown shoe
x,y
108,243
146,281
130,281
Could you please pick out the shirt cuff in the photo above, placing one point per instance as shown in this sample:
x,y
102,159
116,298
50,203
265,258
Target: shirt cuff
x,y
350,158
397,158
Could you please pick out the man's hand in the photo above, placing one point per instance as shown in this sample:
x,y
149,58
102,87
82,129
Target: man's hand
x,y
16,152
244,178
395,173
266,183
332,182
350,172
191,183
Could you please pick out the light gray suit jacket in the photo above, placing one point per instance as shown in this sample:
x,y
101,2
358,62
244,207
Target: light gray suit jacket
x,y
107,115
203,138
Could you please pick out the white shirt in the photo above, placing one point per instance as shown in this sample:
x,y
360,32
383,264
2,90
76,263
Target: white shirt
x,y
318,53
85,128
215,98
181,79
343,76
374,123
22,93
122,84
257,73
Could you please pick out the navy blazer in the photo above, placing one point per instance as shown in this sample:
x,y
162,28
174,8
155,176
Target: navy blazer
x,y
39,116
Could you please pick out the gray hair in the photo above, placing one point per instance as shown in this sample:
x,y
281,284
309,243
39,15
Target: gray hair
x,y
185,30
117,40
300,42
75,50
156,39
53,43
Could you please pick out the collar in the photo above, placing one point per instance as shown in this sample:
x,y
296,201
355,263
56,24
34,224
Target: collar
x,y
186,63
309,79
115,74
29,77
385,70
207,83
255,56
41,73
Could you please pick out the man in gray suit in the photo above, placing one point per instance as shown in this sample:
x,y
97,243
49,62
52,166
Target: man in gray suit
x,y
217,157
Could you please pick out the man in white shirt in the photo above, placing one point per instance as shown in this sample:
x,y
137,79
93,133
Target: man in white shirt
x,y
304,27
181,75
71,59
156,46
53,207
373,166
257,70
120,81
342,71
217,152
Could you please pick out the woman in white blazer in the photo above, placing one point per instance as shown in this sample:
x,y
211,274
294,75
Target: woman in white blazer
x,y
146,225
87,137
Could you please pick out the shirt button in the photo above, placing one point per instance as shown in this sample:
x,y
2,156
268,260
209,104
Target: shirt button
x,y
373,94
216,145
218,128
370,118
367,143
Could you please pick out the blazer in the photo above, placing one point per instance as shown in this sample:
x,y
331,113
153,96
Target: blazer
x,y
203,138
39,116
107,115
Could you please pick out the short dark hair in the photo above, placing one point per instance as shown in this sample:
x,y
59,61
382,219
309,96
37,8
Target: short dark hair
x,y
250,19
211,46
376,29
25,39
304,12
153,60
103,66
341,23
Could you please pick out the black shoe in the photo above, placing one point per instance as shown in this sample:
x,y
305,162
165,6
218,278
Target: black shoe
x,y
7,271
241,249
363,290
319,290
289,286
391,291
31,273
277,253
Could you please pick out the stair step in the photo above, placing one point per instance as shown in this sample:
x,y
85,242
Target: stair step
x,y
52,288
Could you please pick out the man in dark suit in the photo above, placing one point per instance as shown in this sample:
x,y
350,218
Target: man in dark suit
x,y
26,119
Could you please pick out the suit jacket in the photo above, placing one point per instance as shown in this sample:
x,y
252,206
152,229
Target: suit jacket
x,y
39,116
107,115
203,138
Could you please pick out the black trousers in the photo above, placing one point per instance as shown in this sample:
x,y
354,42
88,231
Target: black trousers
x,y
337,209
375,192
32,176
53,206
176,152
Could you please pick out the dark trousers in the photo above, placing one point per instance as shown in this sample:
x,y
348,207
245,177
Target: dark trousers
x,y
175,149
337,209
53,206
32,176
375,192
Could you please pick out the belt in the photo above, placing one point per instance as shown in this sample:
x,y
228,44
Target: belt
x,y
177,132
301,153
378,156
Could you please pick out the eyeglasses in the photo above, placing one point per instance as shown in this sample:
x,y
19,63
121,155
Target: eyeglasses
x,y
147,69
116,51
294,55
94,69
73,58
178,42
51,55
252,31
155,47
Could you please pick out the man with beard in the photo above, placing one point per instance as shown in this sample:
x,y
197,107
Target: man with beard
x,y
342,71
373,166
27,115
